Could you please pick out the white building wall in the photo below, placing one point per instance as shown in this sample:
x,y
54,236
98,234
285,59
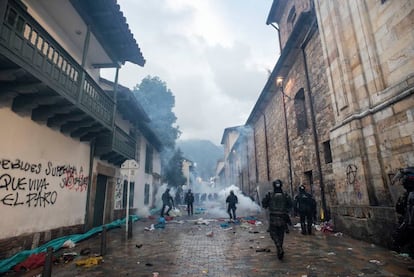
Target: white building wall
x,y
37,192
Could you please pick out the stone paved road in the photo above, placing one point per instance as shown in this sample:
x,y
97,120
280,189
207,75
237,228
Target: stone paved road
x,y
184,249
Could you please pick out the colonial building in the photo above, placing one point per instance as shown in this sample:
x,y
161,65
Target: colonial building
x,y
64,134
336,114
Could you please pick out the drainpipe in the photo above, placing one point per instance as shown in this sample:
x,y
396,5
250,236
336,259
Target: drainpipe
x,y
267,148
287,139
278,36
313,119
255,158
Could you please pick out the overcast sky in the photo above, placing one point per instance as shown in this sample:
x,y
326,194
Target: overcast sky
x,y
214,55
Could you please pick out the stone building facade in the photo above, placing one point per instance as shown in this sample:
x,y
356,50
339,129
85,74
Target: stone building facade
x,y
336,113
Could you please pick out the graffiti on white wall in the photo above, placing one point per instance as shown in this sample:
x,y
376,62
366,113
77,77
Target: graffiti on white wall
x,y
29,184
118,193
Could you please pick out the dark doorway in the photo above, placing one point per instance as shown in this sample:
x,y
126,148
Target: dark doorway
x,y
99,208
309,179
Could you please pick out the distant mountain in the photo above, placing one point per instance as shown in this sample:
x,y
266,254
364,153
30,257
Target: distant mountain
x,y
204,153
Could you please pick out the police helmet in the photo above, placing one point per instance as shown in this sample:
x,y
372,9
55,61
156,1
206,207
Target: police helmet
x,y
277,183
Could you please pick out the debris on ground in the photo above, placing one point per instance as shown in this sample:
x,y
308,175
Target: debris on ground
x,y
151,228
375,262
68,244
86,251
32,262
89,262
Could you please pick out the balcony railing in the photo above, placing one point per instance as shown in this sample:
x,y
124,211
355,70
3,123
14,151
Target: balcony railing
x,y
26,43
124,144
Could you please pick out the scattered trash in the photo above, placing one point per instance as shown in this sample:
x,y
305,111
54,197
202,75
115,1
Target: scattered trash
x,y
224,225
85,251
339,234
205,271
155,274
210,234
405,255
68,257
229,228
32,262
297,225
89,262
262,237
150,228
331,254
149,264
263,250
327,227
202,221
375,262
349,248
254,232
68,244
175,212
138,245
159,225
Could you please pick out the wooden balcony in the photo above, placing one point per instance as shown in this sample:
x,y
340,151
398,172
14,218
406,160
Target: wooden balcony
x,y
38,78
116,147
42,80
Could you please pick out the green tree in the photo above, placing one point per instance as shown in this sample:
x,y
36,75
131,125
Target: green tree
x,y
158,102
173,173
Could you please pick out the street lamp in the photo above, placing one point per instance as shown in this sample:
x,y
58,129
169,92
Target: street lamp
x,y
279,83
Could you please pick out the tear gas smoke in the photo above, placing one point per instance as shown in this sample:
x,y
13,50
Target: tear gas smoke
x,y
210,201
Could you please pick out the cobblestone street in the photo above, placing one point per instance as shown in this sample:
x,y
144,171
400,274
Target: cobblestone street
x,y
186,247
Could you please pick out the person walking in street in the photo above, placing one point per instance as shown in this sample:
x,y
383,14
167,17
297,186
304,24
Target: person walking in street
x,y
189,200
231,201
305,206
167,200
278,204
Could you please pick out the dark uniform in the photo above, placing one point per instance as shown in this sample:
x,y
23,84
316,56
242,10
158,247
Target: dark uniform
x,y
167,200
305,206
232,200
279,205
403,238
189,200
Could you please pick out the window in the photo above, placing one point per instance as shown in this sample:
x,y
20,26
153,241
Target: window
x,y
146,194
290,21
327,151
148,159
300,111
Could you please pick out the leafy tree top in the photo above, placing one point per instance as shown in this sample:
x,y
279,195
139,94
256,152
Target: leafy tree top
x,y
158,102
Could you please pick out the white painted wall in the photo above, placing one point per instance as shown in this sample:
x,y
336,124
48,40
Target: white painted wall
x,y
62,198
140,178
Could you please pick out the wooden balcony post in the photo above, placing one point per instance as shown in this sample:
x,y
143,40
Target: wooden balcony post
x,y
84,55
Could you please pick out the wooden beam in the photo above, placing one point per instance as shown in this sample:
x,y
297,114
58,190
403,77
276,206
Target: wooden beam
x,y
72,126
25,103
85,130
61,119
42,113
25,88
12,74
